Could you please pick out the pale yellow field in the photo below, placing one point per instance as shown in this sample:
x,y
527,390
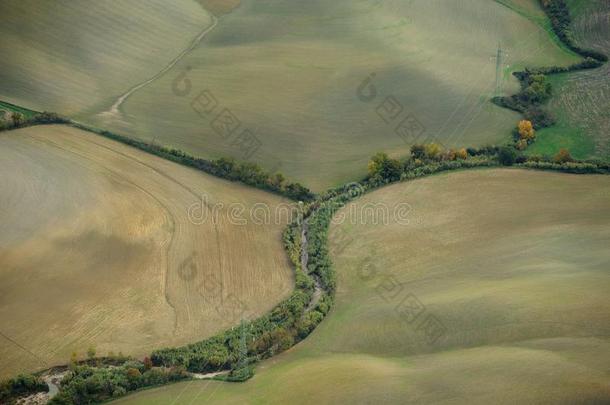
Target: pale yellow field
x,y
97,249
513,264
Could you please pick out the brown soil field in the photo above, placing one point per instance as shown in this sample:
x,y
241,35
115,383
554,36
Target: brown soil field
x,y
97,248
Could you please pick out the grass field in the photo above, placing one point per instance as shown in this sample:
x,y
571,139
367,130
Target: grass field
x,y
512,263
563,135
8,107
288,70
70,56
97,248
582,99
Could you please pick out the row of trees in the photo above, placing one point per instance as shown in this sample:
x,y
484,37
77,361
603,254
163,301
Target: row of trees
x,y
22,385
86,384
13,120
561,21
383,169
381,166
226,168
535,91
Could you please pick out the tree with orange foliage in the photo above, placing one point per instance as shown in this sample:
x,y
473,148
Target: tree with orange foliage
x,y
461,154
147,363
563,156
526,130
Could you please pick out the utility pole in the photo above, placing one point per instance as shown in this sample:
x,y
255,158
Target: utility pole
x,y
499,64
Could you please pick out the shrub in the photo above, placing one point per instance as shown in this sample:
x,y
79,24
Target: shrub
x,y
23,384
433,150
382,166
507,156
563,156
418,151
462,154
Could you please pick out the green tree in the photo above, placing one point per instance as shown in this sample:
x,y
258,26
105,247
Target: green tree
x,y
18,119
507,156
381,165
418,151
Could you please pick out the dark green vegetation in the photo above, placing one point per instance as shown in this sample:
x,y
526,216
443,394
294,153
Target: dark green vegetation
x,y
85,384
559,14
22,385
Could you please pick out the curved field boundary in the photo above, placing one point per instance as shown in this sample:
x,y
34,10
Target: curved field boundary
x,y
558,14
306,244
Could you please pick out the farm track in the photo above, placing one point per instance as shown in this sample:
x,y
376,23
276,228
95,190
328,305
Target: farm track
x,y
114,110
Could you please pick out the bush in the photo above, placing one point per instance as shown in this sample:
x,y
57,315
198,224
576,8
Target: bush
x,y
563,156
87,384
507,156
383,167
22,385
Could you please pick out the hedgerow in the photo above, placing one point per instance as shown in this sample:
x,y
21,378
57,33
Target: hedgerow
x,y
226,168
22,385
535,90
18,120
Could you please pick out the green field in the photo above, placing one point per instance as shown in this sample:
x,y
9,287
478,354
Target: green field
x,y
582,99
8,107
512,263
288,70
70,56
563,136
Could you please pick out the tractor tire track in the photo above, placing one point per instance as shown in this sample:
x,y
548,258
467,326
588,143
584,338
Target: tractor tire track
x,y
115,111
